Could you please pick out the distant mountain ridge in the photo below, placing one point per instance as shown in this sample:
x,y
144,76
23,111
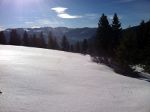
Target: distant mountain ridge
x,y
73,34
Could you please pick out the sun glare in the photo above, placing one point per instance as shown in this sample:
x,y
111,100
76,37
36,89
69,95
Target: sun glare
x,y
22,3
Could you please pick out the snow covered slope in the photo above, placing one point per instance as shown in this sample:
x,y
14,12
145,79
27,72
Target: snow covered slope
x,y
37,80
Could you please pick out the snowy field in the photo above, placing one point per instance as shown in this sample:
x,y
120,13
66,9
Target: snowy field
x,y
37,80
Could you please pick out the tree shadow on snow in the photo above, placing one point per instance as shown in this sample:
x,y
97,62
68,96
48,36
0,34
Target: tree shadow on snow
x,y
122,70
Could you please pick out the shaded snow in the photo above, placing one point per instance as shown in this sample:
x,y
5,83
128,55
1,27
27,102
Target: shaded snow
x,y
145,75
36,80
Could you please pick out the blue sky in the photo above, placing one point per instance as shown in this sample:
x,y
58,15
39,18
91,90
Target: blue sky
x,y
70,13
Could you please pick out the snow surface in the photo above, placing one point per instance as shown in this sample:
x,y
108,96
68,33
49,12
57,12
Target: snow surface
x,y
37,80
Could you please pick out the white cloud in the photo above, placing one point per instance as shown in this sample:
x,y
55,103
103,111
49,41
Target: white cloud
x,y
61,12
67,16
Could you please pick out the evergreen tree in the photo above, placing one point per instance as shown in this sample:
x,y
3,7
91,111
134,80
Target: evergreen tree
x,y
42,41
84,46
30,37
34,41
91,45
127,49
116,33
140,35
146,50
65,44
72,48
146,57
142,41
2,38
103,37
55,45
78,47
25,40
15,39
50,41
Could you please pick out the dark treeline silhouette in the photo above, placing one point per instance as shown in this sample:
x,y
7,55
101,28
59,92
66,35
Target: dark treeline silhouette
x,y
2,38
121,49
113,46
52,42
39,41
15,38
134,48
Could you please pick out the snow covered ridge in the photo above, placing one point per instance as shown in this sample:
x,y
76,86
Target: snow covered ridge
x,y
40,80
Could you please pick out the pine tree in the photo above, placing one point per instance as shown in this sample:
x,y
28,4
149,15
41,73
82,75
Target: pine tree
x,y
2,38
30,37
34,41
15,39
103,37
78,47
65,44
127,49
42,41
25,40
146,56
142,41
50,41
72,48
91,45
140,35
116,33
56,45
84,46
146,51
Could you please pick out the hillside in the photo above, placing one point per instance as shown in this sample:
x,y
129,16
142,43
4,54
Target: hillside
x,y
38,80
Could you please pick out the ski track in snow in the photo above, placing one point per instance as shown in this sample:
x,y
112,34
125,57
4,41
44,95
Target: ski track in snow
x,y
37,80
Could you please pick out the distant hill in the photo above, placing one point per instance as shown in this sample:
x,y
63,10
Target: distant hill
x,y
135,28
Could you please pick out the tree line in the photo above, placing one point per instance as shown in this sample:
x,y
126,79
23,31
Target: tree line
x,y
120,48
39,41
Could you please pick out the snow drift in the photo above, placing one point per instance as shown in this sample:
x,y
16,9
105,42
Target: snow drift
x,y
37,80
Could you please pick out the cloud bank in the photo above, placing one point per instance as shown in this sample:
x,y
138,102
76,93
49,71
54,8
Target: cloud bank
x,y
61,12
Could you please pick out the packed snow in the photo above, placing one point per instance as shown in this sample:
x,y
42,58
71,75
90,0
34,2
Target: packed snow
x,y
38,80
